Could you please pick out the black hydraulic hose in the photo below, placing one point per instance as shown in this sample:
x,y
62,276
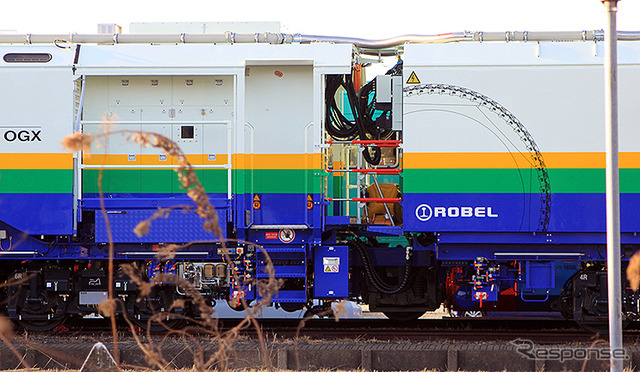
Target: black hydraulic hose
x,y
372,274
373,277
339,127
365,125
386,288
336,124
363,110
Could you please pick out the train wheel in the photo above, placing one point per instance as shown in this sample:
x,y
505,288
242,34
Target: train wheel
x,y
320,312
44,325
403,316
154,313
584,296
40,313
160,324
600,327
291,307
595,327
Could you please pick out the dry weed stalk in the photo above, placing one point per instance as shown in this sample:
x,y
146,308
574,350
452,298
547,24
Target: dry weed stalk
x,y
186,173
190,182
596,342
79,141
206,325
6,327
633,271
6,332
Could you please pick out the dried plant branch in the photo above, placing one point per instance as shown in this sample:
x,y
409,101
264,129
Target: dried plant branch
x,y
153,357
195,191
187,178
596,342
6,330
186,173
78,141
633,271
111,305
6,327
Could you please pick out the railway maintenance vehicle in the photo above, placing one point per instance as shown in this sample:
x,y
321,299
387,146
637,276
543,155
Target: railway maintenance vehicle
x,y
471,174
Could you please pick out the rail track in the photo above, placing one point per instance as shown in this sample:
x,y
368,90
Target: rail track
x,y
449,329
363,344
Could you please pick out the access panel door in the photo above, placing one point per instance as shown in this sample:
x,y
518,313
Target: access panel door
x,y
279,114
194,112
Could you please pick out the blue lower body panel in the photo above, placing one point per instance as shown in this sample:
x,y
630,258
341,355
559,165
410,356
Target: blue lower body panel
x,y
280,209
38,214
178,227
583,212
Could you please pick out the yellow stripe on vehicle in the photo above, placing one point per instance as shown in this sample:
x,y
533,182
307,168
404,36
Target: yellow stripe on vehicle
x,y
494,160
36,161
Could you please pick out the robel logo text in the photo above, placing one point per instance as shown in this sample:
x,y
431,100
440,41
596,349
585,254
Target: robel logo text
x,y
424,212
22,135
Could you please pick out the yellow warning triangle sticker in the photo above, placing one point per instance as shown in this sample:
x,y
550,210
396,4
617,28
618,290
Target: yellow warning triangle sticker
x,y
413,78
327,269
309,198
256,197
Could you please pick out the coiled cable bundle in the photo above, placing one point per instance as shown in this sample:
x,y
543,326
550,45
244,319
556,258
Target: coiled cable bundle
x,y
362,107
375,280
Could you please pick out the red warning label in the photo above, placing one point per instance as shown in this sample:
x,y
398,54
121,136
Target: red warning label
x,y
271,235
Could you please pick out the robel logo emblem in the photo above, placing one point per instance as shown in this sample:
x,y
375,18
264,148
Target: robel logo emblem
x,y
424,212
22,135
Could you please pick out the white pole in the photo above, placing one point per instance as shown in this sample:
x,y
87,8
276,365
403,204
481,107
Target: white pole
x,y
614,284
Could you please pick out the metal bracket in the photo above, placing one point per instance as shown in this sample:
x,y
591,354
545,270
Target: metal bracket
x,y
231,37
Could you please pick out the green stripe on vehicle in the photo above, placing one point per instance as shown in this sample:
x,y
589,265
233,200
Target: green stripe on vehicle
x,y
150,180
276,181
286,181
30,181
514,180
